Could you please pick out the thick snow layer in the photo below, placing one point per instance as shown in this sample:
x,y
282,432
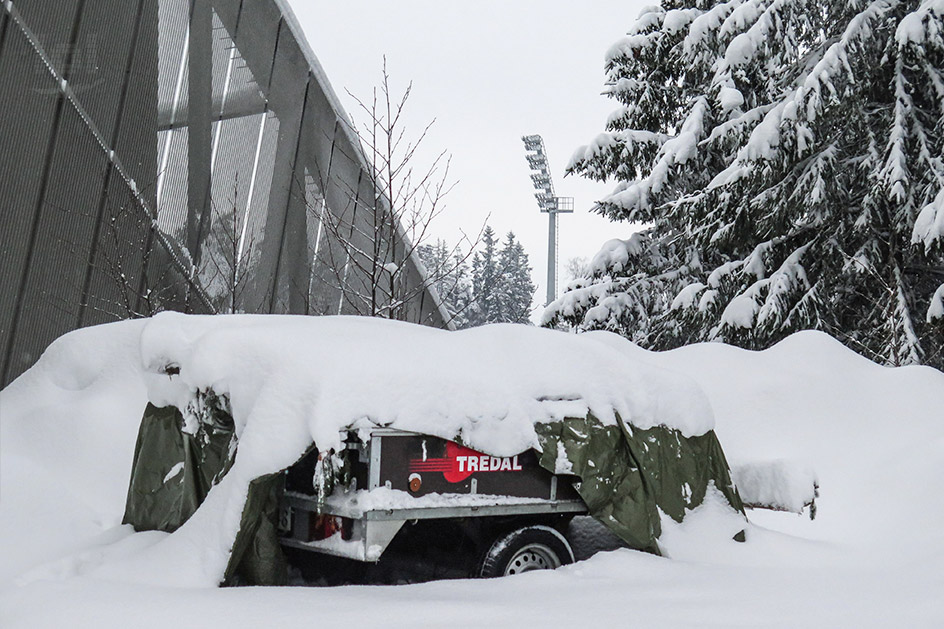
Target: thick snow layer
x,y
327,373
614,255
777,484
929,226
383,499
919,26
871,558
294,380
936,310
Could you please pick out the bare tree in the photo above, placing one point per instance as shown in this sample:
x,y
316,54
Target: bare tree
x,y
576,268
125,234
228,255
128,271
377,234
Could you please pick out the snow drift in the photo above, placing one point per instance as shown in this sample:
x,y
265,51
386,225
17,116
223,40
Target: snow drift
x,y
872,557
291,381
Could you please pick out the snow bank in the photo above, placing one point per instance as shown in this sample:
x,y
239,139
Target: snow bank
x,y
869,434
293,380
66,444
780,485
871,558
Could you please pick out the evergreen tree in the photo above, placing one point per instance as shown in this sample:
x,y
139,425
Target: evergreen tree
x,y
788,157
460,298
448,273
515,288
486,305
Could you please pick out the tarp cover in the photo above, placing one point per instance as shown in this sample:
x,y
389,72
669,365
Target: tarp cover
x,y
174,470
627,475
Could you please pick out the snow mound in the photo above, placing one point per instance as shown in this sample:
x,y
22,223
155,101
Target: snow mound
x,y
780,485
872,556
294,380
486,385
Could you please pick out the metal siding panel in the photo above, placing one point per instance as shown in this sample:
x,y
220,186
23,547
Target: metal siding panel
x,y
228,12
26,126
173,18
55,277
4,23
361,239
287,98
118,96
321,122
232,178
259,203
293,288
199,114
172,204
100,56
135,144
327,273
261,222
234,160
52,23
312,205
341,192
257,44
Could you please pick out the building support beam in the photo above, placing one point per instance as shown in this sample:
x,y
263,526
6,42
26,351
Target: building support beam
x,y
200,126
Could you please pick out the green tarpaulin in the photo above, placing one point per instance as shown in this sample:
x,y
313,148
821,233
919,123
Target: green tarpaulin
x,y
171,475
627,475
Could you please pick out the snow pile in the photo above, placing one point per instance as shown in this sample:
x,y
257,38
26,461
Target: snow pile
x,y
871,557
780,485
325,374
294,380
66,444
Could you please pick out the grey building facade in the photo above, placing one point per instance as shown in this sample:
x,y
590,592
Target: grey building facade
x,y
173,154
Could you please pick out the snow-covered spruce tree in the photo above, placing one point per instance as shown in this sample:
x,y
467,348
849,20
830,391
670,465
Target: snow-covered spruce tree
x,y
787,157
486,306
515,287
449,275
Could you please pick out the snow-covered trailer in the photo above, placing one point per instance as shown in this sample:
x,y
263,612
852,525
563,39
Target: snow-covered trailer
x,y
513,511
240,406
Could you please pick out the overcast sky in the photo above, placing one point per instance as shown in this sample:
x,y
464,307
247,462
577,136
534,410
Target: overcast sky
x,y
488,72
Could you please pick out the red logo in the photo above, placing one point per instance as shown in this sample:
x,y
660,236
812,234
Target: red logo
x,y
461,462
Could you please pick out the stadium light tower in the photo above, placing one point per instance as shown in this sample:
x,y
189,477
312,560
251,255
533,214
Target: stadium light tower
x,y
547,202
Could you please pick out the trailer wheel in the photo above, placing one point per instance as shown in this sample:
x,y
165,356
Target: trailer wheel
x,y
523,550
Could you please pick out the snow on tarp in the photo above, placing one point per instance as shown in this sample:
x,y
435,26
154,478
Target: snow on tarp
x,y
872,433
293,380
488,385
780,485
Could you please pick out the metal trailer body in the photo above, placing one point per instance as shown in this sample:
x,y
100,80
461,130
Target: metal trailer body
x,y
432,478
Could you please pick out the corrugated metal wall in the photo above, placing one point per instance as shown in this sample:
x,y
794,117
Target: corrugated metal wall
x,y
207,119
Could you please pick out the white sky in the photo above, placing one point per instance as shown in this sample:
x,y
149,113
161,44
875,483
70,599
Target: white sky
x,y
488,72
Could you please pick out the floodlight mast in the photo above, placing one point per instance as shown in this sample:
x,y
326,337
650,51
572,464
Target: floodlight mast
x,y
547,202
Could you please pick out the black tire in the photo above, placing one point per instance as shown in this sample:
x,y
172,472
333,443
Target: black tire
x,y
529,548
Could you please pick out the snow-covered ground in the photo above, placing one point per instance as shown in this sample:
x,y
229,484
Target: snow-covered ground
x,y
873,556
